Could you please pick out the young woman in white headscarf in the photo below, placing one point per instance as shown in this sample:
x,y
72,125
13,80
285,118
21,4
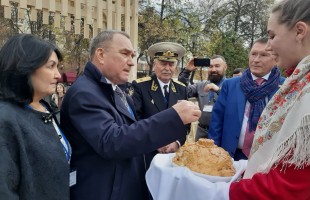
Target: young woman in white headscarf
x,y
279,164
279,167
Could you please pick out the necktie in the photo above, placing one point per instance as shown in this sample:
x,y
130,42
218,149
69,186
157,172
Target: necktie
x,y
121,94
249,135
166,93
260,81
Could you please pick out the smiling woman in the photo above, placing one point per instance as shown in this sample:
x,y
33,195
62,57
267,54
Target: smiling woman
x,y
34,152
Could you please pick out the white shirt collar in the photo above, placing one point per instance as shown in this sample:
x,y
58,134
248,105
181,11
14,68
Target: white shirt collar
x,y
266,77
113,85
162,84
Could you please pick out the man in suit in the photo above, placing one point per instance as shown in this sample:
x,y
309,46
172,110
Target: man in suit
x,y
98,119
205,91
242,100
159,92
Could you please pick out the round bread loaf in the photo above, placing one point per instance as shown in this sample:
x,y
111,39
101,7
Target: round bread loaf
x,y
206,158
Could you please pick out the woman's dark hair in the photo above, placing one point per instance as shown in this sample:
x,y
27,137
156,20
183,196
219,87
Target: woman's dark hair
x,y
237,70
63,88
20,56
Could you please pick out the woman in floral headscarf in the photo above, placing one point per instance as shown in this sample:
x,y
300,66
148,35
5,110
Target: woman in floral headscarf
x,y
279,164
280,156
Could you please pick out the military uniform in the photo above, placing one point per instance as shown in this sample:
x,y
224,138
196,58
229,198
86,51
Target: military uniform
x,y
150,94
149,100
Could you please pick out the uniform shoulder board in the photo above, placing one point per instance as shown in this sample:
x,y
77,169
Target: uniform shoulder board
x,y
180,83
140,80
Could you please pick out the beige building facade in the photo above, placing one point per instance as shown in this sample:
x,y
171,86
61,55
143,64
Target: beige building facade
x,y
99,14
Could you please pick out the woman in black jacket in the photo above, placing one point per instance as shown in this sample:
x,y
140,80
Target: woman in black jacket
x,y
34,154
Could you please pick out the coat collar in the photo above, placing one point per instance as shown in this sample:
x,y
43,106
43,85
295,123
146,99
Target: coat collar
x,y
158,97
156,86
94,74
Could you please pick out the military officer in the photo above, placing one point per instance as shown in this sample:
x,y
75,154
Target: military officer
x,y
159,91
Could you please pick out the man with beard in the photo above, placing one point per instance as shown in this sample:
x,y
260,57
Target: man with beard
x,y
242,100
206,91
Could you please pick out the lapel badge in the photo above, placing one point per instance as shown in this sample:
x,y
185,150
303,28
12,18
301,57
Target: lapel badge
x,y
152,101
154,86
130,91
173,88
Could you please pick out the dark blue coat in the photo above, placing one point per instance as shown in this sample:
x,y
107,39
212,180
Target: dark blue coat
x,y
107,142
227,115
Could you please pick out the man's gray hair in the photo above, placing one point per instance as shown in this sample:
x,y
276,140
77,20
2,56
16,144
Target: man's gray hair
x,y
103,39
262,40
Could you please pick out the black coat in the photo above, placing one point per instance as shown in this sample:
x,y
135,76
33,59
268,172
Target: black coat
x,y
33,164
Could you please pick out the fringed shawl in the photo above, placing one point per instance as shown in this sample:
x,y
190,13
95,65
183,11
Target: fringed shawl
x,y
283,132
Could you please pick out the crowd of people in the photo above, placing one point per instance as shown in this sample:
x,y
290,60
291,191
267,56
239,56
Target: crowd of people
x,y
103,142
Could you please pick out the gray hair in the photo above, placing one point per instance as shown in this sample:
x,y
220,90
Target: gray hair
x,y
103,40
262,40
292,11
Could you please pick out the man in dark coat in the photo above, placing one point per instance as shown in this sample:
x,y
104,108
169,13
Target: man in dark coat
x,y
99,121
159,92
